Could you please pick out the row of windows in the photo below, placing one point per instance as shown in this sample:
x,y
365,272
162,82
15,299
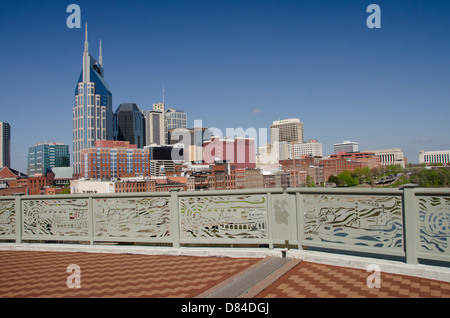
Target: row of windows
x,y
118,169
438,158
91,135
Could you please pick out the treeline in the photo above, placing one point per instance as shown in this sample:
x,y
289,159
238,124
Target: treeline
x,y
424,177
430,178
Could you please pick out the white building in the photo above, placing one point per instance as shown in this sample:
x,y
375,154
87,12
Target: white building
x,y
438,156
346,146
289,130
90,186
393,156
310,148
155,127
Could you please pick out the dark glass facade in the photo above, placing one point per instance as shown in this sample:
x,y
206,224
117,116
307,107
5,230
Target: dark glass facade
x,y
129,124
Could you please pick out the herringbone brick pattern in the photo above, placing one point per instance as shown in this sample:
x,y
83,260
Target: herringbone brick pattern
x,y
44,274
311,280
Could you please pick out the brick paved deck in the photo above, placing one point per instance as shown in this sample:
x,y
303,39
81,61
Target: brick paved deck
x,y
104,275
44,274
310,280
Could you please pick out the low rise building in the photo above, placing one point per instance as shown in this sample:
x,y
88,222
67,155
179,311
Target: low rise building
x,y
91,186
392,156
434,157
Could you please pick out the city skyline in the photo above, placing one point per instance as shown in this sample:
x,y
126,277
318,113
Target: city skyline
x,y
238,64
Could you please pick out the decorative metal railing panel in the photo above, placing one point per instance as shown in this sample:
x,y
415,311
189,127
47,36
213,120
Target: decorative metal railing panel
x,y
369,221
411,223
7,218
224,217
132,217
434,224
48,219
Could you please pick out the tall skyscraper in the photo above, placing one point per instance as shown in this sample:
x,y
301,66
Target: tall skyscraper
x,y
175,118
46,155
155,132
5,145
93,118
289,130
129,124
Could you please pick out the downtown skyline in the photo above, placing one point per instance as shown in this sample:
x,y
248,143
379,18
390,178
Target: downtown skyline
x,y
238,64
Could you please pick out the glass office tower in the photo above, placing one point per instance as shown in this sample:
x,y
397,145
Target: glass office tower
x,y
46,155
92,114
129,124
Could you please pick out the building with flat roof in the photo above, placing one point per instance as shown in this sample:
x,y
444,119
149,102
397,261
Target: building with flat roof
x,y
44,156
346,146
369,158
239,151
392,156
174,118
155,132
433,157
114,159
309,148
289,130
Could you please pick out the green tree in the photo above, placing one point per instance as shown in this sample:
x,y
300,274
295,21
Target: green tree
x,y
347,179
364,174
333,179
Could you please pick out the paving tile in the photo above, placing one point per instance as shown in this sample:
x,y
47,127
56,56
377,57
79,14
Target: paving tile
x,y
106,275
44,274
308,280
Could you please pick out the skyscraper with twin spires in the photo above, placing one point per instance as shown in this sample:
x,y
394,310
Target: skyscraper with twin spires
x,y
93,118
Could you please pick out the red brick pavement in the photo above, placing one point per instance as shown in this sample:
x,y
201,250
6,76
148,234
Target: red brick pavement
x,y
44,274
105,275
311,280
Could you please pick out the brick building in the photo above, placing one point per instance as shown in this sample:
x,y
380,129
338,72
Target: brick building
x,y
369,158
238,151
114,159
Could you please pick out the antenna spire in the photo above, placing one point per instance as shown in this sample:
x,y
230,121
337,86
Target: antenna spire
x,y
86,43
100,57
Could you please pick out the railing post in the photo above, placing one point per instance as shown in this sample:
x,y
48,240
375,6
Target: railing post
x,y
174,212
410,221
300,220
91,221
269,219
18,210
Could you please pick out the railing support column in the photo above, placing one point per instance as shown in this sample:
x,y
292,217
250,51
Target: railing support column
x,y
269,219
18,210
410,220
91,221
174,212
300,220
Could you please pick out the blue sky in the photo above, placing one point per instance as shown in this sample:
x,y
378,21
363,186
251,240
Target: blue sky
x,y
238,64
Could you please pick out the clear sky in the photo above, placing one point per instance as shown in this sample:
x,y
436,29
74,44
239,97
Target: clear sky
x,y
237,64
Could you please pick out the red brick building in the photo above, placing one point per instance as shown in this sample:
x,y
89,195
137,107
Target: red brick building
x,y
369,158
14,182
114,159
238,151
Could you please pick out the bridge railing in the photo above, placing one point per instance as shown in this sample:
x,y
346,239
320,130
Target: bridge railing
x,y
411,223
